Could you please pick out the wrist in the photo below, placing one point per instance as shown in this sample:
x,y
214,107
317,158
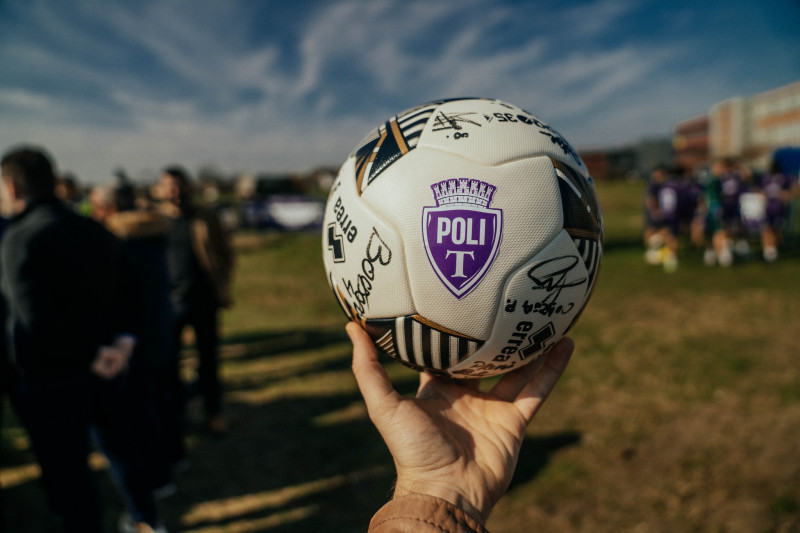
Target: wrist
x,y
443,491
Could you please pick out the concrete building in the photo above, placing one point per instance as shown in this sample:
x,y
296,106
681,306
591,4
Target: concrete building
x,y
751,129
691,143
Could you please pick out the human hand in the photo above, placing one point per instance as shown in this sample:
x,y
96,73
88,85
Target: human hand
x,y
109,362
453,441
125,343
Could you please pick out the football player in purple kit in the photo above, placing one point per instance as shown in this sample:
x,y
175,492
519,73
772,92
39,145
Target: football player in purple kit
x,y
662,220
722,195
690,205
778,189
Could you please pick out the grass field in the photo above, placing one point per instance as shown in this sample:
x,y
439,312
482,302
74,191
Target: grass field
x,y
680,410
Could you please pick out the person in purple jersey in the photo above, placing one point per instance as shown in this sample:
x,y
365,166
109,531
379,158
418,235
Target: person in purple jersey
x,y
722,198
690,210
732,185
662,219
778,189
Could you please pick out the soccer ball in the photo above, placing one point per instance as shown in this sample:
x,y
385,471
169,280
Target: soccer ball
x,y
464,235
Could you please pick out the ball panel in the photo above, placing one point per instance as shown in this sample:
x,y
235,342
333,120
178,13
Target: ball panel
x,y
591,251
582,214
526,188
384,145
363,255
420,343
540,302
583,218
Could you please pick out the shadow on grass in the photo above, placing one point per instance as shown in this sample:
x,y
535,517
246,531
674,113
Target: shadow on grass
x,y
274,343
536,453
623,243
305,460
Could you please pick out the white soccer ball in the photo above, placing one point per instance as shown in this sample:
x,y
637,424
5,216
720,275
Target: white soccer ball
x,y
464,235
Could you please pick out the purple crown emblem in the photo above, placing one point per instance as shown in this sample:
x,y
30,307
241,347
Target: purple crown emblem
x,y
463,191
462,233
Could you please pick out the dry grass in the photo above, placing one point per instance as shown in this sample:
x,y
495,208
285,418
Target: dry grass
x,y
680,410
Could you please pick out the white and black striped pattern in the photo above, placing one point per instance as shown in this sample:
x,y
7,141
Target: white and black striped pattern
x,y
418,344
591,252
413,122
386,343
396,138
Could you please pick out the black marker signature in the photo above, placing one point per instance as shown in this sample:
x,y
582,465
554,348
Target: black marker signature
x,y
452,121
377,252
551,276
559,141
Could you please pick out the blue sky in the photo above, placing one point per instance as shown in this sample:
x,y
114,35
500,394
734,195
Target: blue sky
x,y
289,85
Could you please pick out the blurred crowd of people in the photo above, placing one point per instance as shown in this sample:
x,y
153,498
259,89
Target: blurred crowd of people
x,y
95,297
722,210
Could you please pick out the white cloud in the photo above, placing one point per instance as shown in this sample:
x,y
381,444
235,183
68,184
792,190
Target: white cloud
x,y
590,20
24,101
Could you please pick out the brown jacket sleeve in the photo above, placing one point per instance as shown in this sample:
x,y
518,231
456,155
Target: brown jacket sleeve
x,y
419,513
212,246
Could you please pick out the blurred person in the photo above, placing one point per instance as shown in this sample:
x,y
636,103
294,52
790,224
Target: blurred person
x,y
722,194
148,314
690,206
752,212
732,185
662,219
58,271
5,369
144,440
200,259
778,189
712,211
67,191
455,448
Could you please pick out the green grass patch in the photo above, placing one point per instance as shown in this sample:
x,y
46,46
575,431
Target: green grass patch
x,y
683,394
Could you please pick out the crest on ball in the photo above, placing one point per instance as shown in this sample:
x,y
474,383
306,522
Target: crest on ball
x,y
462,233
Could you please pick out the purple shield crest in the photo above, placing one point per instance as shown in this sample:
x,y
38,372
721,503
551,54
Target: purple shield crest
x,y
462,233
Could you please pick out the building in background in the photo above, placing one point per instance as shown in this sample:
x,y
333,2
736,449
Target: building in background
x,y
751,129
629,161
691,143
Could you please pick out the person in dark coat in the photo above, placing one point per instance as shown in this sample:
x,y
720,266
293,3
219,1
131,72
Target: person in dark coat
x,y
148,315
140,431
58,272
5,368
200,259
